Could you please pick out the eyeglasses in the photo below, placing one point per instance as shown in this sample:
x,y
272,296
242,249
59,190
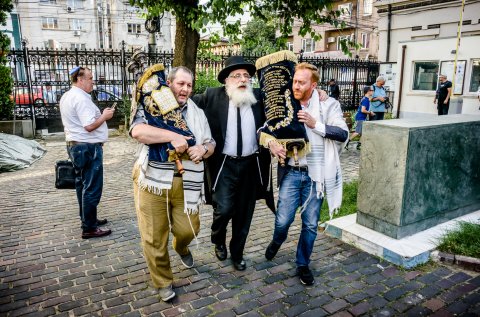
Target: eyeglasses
x,y
238,76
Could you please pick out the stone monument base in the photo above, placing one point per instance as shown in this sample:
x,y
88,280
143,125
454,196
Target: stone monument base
x,y
407,252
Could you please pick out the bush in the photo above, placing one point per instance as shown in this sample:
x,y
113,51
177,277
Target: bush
x,y
6,103
204,80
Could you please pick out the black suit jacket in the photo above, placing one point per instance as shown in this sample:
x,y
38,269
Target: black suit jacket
x,y
214,102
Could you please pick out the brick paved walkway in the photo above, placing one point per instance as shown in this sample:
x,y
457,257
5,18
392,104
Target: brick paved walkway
x,y
47,269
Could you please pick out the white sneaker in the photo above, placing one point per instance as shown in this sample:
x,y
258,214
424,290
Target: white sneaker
x,y
166,293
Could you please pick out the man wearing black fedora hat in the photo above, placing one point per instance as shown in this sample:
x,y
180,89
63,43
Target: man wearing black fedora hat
x,y
238,172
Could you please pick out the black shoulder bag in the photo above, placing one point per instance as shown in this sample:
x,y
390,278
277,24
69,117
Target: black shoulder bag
x,y
64,174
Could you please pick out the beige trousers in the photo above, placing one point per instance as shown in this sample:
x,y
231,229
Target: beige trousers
x,y
156,213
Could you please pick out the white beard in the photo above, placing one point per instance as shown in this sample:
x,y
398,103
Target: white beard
x,y
240,97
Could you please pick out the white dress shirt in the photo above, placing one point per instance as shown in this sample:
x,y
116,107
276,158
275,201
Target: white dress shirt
x,y
249,133
78,111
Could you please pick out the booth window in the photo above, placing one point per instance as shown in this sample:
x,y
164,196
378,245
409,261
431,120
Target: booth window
x,y
425,76
475,78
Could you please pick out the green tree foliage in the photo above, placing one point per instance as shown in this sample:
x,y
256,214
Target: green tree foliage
x,y
204,80
258,37
192,17
6,104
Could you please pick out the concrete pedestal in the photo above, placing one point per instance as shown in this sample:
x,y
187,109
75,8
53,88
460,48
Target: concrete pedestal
x,y
417,173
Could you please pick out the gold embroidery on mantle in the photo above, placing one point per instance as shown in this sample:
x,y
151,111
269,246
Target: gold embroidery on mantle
x,y
177,119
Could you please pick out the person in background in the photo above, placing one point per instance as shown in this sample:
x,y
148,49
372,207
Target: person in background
x,y
85,132
362,113
333,89
442,97
165,199
318,174
379,98
48,94
478,94
238,171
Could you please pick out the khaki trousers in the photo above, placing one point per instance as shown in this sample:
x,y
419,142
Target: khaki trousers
x,y
154,213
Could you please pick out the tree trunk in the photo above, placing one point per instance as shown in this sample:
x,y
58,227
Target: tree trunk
x,y
186,44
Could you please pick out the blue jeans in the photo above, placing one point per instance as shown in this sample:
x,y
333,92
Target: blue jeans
x,y
88,161
378,116
297,189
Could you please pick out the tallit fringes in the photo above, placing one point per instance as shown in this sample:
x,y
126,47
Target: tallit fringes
x,y
333,212
191,211
276,57
149,188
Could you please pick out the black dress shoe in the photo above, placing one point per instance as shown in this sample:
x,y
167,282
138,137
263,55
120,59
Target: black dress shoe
x,y
272,250
239,266
101,222
96,233
221,251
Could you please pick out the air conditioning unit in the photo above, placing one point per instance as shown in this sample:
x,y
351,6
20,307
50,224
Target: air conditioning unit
x,y
77,32
70,10
331,39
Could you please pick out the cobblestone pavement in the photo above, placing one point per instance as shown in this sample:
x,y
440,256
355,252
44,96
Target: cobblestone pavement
x,y
47,269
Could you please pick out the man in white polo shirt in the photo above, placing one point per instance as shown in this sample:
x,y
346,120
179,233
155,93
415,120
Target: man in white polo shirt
x,y
85,132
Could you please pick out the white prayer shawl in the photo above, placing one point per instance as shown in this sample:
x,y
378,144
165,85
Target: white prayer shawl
x,y
324,159
158,176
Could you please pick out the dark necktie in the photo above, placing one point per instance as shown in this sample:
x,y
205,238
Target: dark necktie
x,y
239,133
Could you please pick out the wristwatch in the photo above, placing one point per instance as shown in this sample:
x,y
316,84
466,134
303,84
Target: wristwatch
x,y
206,148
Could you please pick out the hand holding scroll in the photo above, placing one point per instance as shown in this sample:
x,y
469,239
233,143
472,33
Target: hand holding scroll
x,y
306,118
179,142
322,94
196,153
277,150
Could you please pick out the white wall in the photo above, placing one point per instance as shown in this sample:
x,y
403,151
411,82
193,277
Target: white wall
x,y
415,103
446,14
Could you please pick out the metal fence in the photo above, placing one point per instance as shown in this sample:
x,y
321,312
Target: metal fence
x,y
41,77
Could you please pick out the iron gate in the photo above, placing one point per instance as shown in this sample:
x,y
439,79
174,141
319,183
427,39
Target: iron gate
x,y
41,77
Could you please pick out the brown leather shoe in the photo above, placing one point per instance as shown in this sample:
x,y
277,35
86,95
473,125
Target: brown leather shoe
x,y
96,233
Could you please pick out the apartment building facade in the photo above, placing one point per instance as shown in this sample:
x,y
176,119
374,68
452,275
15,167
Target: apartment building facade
x,y
82,24
360,18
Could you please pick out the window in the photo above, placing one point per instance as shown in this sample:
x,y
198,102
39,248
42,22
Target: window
x,y
75,4
134,28
48,1
339,38
425,76
290,46
308,45
80,46
433,26
416,28
49,23
345,10
365,40
367,7
76,24
475,78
